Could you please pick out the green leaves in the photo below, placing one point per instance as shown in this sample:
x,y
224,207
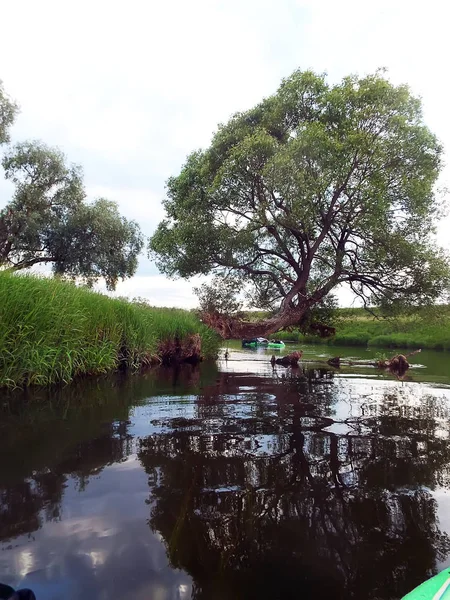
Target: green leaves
x,y
99,243
49,221
221,296
8,112
316,186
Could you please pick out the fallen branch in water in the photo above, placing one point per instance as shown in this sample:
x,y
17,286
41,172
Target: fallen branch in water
x,y
397,363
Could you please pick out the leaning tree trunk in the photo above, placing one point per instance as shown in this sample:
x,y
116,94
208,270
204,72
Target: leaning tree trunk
x,y
234,328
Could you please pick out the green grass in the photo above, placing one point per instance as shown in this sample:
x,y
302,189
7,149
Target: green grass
x,y
52,331
428,328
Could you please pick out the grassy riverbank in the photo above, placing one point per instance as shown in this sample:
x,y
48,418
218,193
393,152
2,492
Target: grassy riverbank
x,y
52,331
355,327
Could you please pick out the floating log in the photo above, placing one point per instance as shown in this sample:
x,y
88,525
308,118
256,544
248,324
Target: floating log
x,y
397,364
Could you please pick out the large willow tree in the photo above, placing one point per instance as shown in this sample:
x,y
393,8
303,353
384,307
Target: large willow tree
x,y
319,185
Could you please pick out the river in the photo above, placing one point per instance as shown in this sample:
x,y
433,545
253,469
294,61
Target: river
x,y
229,481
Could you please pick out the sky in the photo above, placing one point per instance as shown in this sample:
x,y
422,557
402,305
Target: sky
x,y
129,89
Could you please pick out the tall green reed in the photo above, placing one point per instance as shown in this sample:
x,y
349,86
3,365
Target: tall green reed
x,y
53,331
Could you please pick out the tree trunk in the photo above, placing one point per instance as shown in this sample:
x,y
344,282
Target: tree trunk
x,y
233,328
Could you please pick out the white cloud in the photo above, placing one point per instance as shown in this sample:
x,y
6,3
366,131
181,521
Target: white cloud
x,y
159,291
128,89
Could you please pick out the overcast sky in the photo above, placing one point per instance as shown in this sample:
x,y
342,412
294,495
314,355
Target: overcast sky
x,y
128,88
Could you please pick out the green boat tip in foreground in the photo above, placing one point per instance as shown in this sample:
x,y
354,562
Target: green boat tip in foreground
x,y
436,588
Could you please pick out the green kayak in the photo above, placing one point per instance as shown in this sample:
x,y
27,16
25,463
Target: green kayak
x,y
436,588
262,343
269,345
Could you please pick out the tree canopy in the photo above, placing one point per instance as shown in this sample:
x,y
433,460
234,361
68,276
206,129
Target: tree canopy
x,y
319,185
8,111
49,221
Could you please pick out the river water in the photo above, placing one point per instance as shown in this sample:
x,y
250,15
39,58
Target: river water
x,y
229,481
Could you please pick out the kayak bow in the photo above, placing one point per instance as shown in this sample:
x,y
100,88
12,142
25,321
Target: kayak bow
x,y
436,588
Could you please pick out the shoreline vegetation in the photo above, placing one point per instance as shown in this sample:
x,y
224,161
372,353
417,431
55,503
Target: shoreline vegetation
x,y
54,332
427,328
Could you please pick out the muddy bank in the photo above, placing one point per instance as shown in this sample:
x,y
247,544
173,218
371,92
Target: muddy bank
x,y
176,351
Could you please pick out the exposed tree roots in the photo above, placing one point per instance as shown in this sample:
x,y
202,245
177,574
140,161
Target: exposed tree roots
x,y
177,351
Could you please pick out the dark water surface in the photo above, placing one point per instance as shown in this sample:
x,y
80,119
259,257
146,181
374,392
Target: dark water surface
x,y
227,482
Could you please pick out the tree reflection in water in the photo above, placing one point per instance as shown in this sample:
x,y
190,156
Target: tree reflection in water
x,y
262,494
294,485
49,435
